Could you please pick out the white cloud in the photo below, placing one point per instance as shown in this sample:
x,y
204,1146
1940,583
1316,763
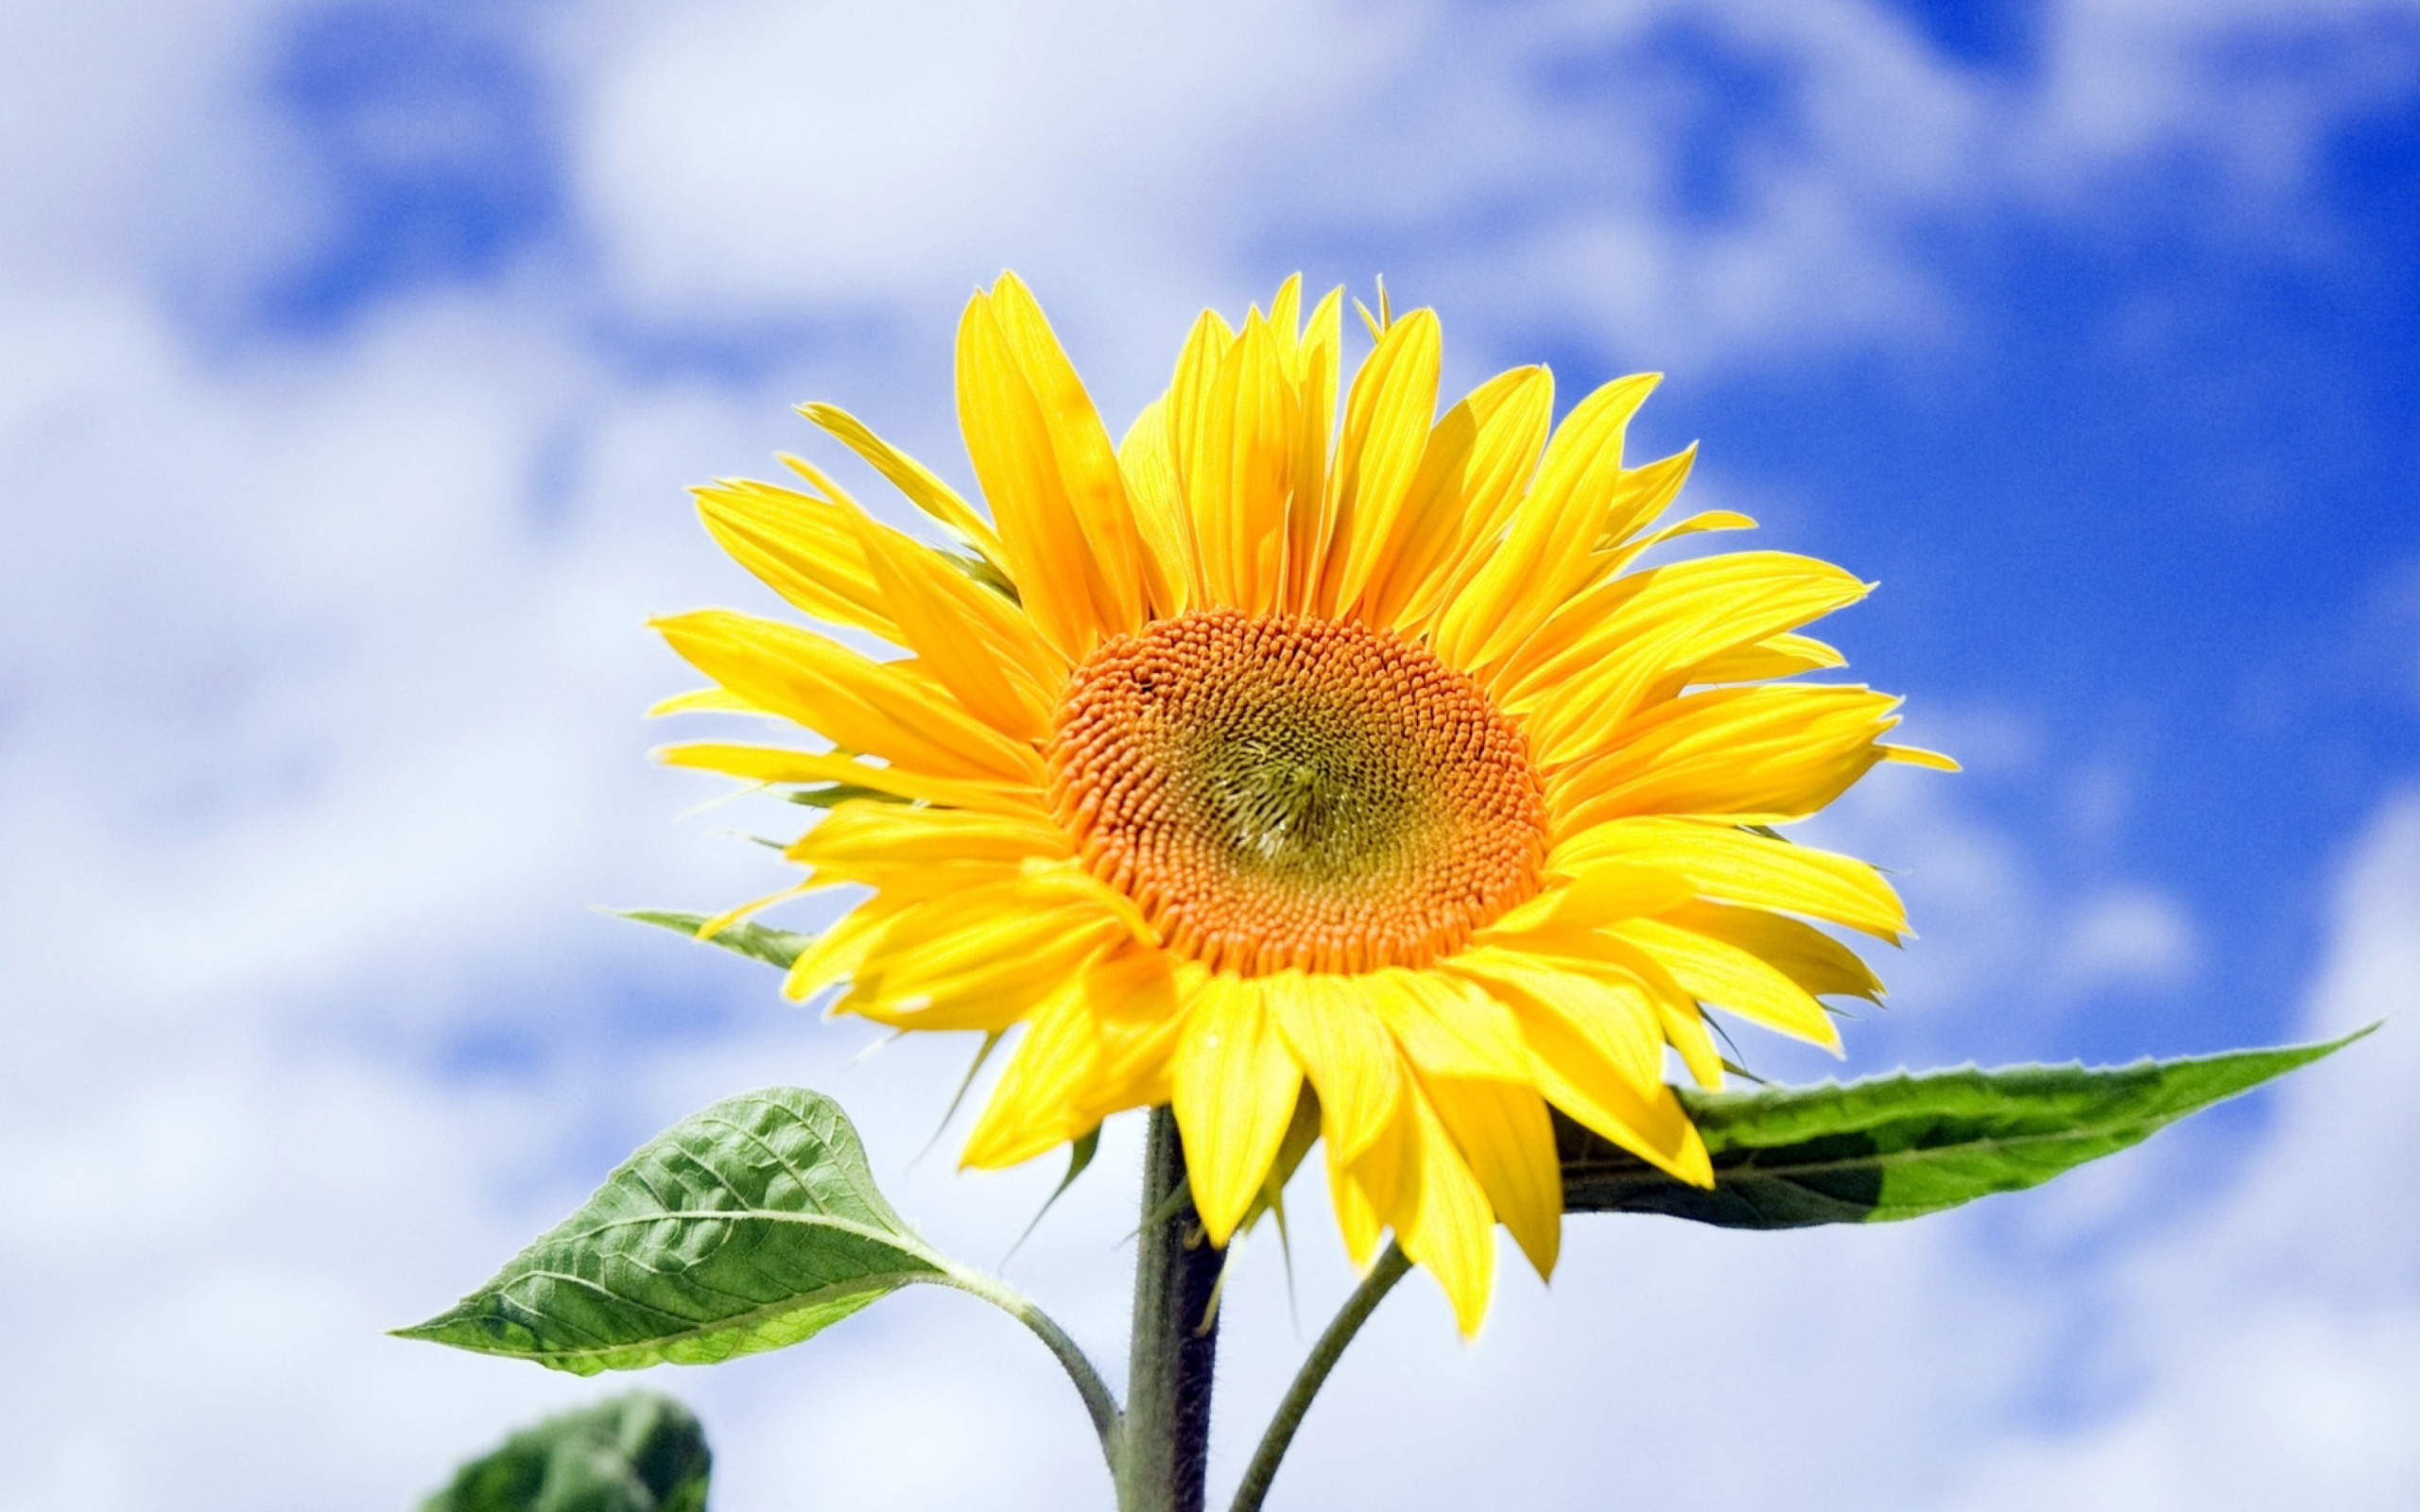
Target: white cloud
x,y
2144,78
1530,168
1136,159
2129,937
786,153
2272,1338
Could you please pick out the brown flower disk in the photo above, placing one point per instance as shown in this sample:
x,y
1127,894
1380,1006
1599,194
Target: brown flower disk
x,y
1281,791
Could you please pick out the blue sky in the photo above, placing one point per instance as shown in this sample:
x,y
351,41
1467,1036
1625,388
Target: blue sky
x,y
358,355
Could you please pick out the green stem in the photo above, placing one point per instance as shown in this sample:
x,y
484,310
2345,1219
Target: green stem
x,y
1390,1268
1164,1445
1097,1399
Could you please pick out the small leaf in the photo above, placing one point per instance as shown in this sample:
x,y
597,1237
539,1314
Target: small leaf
x,y
958,1099
1901,1146
1081,1151
1302,1133
835,793
984,573
636,1454
751,1226
775,947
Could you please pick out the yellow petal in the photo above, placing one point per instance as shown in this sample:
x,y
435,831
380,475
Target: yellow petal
x,y
1732,866
1235,1088
1766,754
1448,1026
800,546
1284,319
1609,558
1310,513
1518,436
703,701
1385,428
1388,1172
1615,1017
956,630
1619,959
1645,491
1472,471
1302,1133
1235,459
1611,956
779,764
1578,1077
1449,1229
1089,478
1508,1142
1817,962
920,852
1171,566
980,958
729,917
1033,1107
1545,555
856,702
835,956
922,486
1346,1049
1725,976
1635,634
1592,895
1191,407
1918,756
988,978
1008,438
1775,655
1357,1220
1139,999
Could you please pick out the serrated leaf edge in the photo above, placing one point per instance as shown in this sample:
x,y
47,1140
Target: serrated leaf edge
x,y
1705,1105
879,1283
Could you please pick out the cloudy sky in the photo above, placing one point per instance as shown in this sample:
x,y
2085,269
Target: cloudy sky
x,y
353,358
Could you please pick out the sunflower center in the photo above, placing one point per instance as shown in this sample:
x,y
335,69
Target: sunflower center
x,y
1285,792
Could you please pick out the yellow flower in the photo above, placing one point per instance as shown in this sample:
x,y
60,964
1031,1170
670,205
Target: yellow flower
x,y
1305,780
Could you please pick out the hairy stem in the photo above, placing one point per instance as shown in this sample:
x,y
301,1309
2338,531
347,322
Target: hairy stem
x,y
1390,1269
1163,1446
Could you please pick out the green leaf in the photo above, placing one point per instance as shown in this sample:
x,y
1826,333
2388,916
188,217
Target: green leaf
x,y
751,1226
1902,1146
777,947
636,1454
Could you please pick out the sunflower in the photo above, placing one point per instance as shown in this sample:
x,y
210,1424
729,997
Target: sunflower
x,y
1337,781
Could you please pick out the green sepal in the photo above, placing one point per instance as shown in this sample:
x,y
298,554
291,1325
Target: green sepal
x,y
837,793
751,1226
1081,1151
982,572
758,943
1901,1146
641,1453
1302,1132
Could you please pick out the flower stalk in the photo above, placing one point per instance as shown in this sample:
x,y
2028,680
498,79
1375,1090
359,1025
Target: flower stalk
x,y
1164,1441
1391,1268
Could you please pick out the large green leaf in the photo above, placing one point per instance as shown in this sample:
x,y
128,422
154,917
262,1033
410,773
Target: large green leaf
x,y
752,1224
1902,1146
760,942
636,1453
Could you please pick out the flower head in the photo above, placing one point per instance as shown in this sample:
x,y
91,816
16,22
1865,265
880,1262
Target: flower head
x,y
1305,775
